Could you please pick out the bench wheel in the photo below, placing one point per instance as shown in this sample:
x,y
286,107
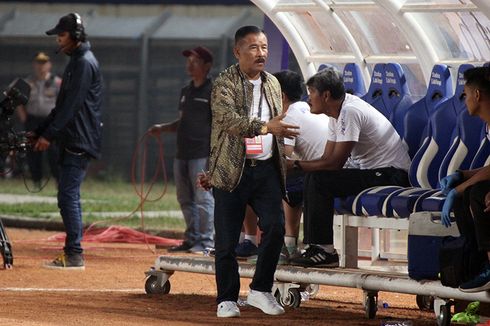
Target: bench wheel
x,y
152,286
292,300
444,318
425,302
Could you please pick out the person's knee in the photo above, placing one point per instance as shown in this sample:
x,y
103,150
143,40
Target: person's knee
x,y
479,190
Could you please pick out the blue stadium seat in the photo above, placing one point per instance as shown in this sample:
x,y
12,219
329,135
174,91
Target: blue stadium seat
x,y
375,202
465,144
353,81
482,156
468,142
374,95
439,91
396,95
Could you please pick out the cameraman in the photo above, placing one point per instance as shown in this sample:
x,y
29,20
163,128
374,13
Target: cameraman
x,y
45,87
75,123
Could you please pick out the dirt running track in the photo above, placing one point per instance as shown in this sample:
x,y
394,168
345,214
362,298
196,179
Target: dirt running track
x,y
111,292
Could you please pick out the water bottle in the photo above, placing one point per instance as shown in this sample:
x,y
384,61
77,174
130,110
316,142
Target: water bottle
x,y
383,304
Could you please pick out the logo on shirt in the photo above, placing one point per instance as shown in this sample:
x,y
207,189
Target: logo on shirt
x,y
182,99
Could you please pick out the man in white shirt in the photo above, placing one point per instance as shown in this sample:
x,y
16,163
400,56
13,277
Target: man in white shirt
x,y
308,145
356,130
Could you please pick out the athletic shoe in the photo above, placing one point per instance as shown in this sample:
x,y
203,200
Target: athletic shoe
x,y
479,283
197,248
72,262
227,309
265,301
184,247
315,256
246,249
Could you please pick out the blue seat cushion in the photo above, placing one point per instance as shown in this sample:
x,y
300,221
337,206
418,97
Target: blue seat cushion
x,y
403,204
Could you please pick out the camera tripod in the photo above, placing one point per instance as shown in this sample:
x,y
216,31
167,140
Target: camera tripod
x,y
5,248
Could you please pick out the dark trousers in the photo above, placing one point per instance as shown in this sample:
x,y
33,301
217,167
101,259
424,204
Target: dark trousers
x,y
260,188
72,172
473,222
322,187
35,159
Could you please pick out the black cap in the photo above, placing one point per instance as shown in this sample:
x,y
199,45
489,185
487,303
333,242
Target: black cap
x,y
67,23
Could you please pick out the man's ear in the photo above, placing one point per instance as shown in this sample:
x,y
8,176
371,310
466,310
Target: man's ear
x,y
236,52
283,96
325,96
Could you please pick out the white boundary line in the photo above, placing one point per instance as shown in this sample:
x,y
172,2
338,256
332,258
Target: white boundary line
x,y
13,289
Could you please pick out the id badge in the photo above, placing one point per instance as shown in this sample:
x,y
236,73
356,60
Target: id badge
x,y
254,145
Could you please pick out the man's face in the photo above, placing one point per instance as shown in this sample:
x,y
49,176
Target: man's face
x,y
41,68
472,99
251,53
316,101
195,67
65,42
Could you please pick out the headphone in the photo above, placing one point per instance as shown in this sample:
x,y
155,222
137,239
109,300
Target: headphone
x,y
79,29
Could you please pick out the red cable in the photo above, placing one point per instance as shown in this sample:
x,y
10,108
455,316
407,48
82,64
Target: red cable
x,y
141,192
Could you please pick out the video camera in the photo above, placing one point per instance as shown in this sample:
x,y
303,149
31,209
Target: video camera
x,y
16,94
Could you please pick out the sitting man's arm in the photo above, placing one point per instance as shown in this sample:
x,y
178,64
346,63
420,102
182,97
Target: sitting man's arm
x,y
334,157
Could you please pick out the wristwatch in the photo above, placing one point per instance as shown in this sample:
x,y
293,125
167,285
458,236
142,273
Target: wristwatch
x,y
263,130
297,166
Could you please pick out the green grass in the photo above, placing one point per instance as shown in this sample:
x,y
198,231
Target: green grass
x,y
100,196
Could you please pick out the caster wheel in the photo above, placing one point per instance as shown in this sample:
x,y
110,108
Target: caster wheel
x,y
444,318
425,302
312,289
293,299
371,306
153,287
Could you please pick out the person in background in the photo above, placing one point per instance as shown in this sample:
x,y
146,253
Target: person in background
x,y
247,167
75,124
468,192
45,87
193,129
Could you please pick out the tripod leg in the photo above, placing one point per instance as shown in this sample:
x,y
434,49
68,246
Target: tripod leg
x,y
5,248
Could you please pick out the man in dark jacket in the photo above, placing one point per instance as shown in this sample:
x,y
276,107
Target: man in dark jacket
x,y
75,123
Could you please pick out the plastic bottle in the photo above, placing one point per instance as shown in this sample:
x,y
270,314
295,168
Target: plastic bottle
x,y
383,304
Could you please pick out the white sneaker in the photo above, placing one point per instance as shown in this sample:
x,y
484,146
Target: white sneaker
x,y
228,309
265,301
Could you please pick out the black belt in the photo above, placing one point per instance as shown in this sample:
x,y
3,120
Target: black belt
x,y
254,162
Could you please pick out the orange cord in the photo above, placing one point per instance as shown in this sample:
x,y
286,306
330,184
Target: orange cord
x,y
142,194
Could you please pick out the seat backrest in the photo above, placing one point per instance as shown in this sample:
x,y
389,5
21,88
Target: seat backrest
x,y
482,156
425,167
465,144
353,81
417,116
396,95
375,91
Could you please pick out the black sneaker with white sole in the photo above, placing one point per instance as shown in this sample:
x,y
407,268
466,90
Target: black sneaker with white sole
x,y
315,256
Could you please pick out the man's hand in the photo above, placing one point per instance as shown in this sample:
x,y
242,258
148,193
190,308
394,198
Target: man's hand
x,y
487,202
451,181
277,127
41,144
448,206
203,181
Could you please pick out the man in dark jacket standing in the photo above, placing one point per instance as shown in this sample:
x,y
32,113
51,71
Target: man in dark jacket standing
x,y
75,123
